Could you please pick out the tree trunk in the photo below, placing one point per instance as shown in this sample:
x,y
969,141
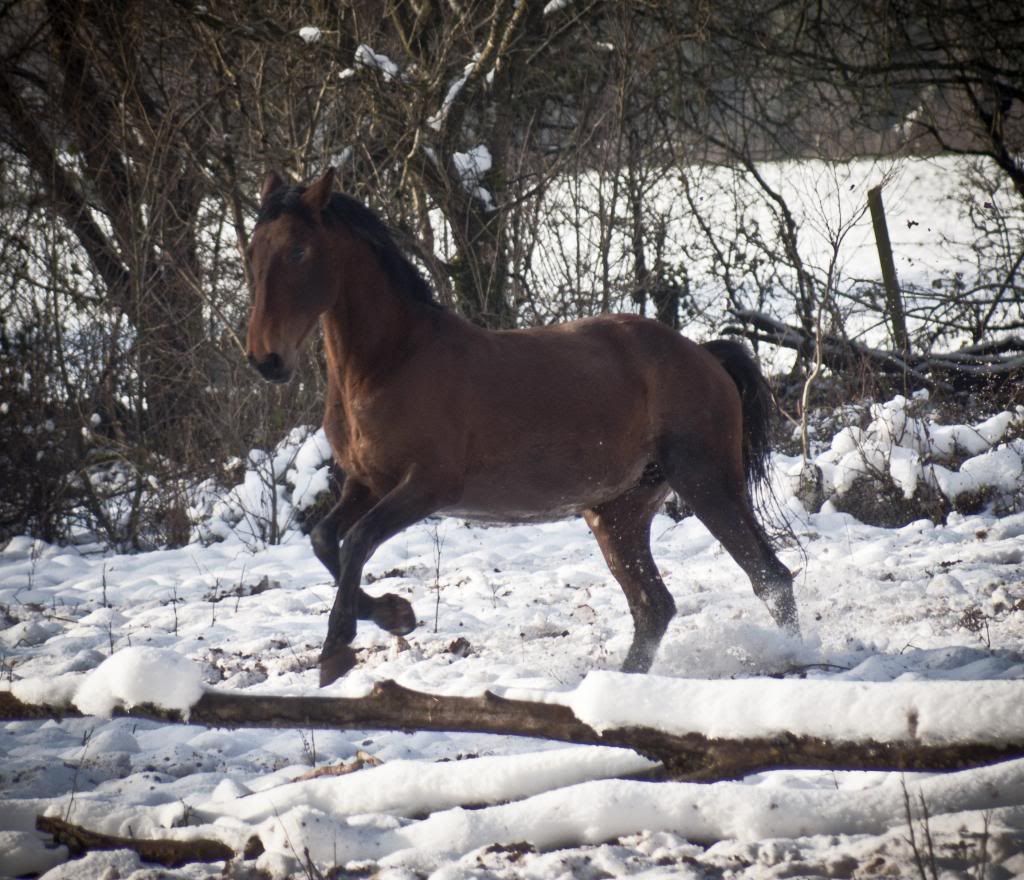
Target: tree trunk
x,y
692,757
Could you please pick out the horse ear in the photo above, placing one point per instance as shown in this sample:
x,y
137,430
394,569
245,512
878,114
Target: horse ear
x,y
318,194
273,181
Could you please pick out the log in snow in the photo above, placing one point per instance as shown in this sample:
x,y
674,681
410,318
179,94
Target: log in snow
x,y
166,852
698,730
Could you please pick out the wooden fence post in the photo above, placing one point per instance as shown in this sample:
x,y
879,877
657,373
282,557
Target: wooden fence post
x,y
893,297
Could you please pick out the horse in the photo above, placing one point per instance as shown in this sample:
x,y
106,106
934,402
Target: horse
x,y
427,413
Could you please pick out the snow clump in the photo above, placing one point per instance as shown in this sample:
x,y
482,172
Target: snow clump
x,y
277,488
141,675
904,454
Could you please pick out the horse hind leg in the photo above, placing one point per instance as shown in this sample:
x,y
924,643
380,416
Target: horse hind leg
x,y
718,495
622,529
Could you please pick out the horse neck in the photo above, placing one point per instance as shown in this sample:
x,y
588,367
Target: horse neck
x,y
369,328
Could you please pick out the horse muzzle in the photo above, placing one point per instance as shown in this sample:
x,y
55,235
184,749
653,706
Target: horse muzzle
x,y
271,367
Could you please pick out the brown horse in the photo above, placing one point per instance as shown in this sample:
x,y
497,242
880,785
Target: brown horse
x,y
427,413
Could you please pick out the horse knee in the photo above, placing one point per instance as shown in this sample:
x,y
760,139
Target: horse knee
x,y
324,539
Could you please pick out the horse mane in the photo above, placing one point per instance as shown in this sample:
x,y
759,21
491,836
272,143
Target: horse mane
x,y
364,224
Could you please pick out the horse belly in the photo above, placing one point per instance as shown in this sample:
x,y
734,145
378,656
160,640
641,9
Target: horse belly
x,y
545,488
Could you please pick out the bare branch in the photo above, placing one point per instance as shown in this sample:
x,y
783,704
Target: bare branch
x,y
691,757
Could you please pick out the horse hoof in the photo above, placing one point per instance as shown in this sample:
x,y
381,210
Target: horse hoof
x,y
335,665
782,607
637,662
789,623
394,614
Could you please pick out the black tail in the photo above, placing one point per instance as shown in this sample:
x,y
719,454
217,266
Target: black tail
x,y
758,408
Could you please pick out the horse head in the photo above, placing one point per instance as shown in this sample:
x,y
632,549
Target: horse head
x,y
291,260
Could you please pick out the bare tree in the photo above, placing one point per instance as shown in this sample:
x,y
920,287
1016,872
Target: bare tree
x,y
540,161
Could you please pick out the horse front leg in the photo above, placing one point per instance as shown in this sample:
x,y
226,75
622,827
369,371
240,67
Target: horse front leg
x,y
414,498
390,612
355,501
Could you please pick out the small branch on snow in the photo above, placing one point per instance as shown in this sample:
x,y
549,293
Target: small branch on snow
x,y
691,757
166,852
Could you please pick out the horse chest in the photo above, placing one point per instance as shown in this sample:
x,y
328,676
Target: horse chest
x,y
361,457
363,449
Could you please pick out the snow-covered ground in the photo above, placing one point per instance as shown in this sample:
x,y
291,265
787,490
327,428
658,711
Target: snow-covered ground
x,y
922,620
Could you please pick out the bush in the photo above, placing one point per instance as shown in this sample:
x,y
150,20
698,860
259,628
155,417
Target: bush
x,y
893,463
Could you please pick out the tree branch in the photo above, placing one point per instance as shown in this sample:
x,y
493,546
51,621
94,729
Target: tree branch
x,y
994,366
64,194
691,757
167,852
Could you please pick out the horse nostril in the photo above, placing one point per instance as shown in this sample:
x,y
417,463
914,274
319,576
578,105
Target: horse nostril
x,y
271,367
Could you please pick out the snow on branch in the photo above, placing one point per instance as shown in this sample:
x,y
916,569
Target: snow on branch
x,y
698,730
161,851
972,369
471,167
366,57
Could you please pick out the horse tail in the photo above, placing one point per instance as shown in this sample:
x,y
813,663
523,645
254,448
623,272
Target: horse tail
x,y
758,405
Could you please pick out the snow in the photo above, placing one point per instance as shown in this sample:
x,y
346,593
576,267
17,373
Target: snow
x,y
310,34
906,443
912,635
1000,468
277,487
310,469
927,713
470,167
553,6
138,675
409,788
366,57
605,810
25,852
437,120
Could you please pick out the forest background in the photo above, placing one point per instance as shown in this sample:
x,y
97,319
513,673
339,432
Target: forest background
x,y
541,162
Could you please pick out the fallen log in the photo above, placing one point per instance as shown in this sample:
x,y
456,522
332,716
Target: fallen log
x,y
689,757
160,851
991,366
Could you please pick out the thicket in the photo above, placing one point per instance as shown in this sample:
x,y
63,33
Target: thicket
x,y
540,161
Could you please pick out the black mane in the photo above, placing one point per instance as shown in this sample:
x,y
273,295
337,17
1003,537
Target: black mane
x,y
361,222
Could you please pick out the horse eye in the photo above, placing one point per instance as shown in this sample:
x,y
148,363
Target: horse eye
x,y
296,255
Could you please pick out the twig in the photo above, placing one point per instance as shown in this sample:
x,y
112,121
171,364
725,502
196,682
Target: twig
x,y
169,853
